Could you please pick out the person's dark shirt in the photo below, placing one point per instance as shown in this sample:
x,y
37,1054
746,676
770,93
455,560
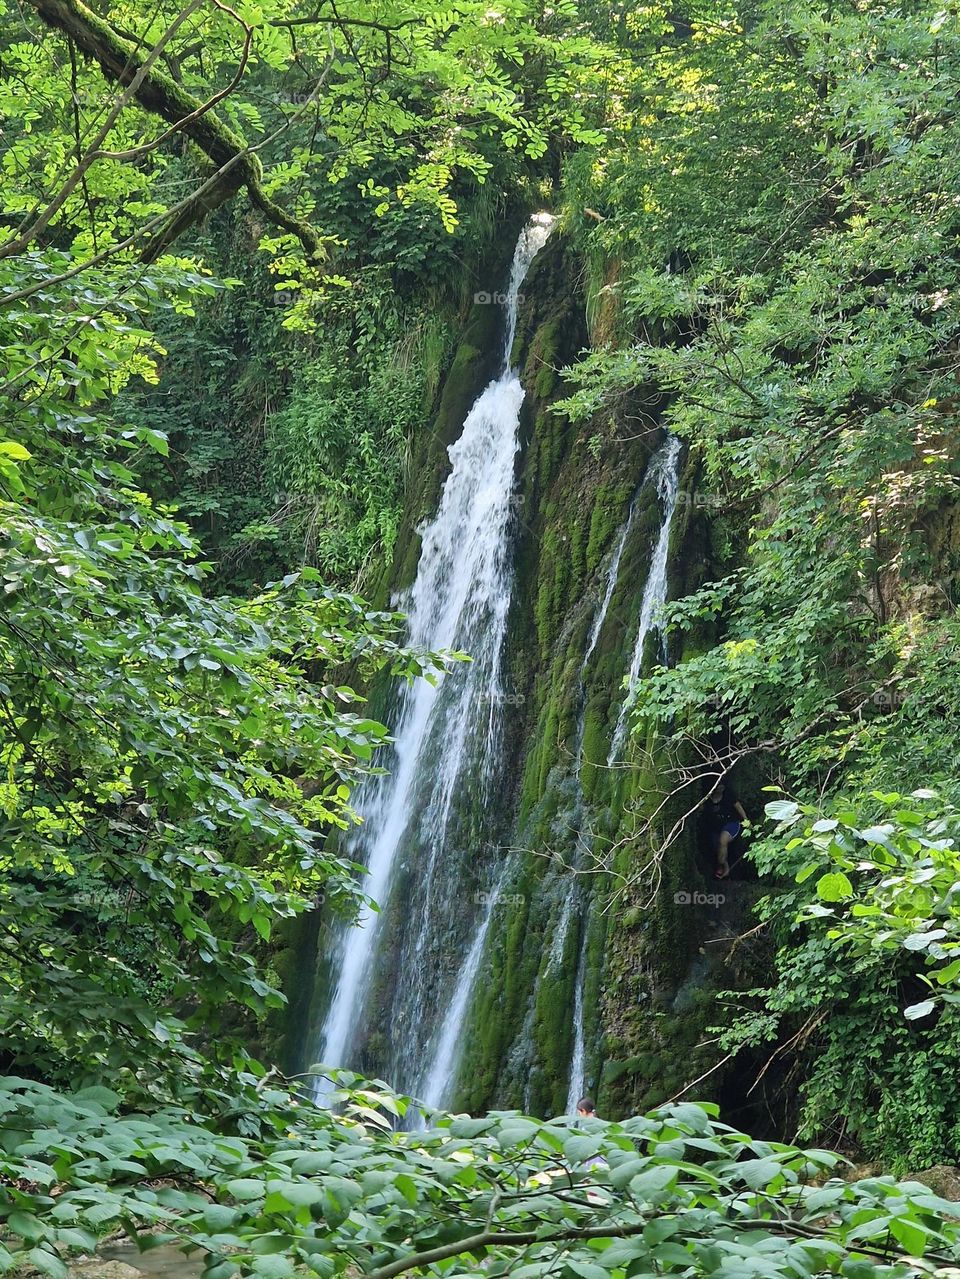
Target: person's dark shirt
x,y
720,812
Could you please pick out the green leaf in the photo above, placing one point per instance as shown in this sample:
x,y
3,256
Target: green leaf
x,y
48,1263
834,887
26,1225
245,1189
621,1175
923,1009
588,1269
16,452
782,810
274,1267
910,1234
155,440
291,1194
650,1185
948,974
581,1147
922,941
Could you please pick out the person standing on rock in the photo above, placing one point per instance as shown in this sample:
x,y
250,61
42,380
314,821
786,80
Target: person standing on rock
x,y
725,819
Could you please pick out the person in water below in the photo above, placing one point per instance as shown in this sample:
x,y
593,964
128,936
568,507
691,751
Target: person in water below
x,y
725,818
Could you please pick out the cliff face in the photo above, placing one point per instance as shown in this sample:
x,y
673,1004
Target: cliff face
x,y
600,963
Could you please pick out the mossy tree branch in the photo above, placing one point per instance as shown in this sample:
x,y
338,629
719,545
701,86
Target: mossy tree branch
x,y
157,92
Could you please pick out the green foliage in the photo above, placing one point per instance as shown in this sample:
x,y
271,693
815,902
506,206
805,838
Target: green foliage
x,y
787,283
770,224
170,762
335,453
404,104
289,447
327,1195
223,371
867,970
771,239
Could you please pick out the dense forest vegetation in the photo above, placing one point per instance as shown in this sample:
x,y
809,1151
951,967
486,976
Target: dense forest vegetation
x,y
245,253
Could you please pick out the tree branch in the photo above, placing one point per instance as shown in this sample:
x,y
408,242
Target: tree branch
x,y
503,1238
133,85
159,93
152,250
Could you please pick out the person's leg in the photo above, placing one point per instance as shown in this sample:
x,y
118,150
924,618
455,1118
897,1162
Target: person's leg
x,y
723,846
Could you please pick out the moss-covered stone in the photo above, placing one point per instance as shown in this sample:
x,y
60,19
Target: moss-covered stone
x,y
601,852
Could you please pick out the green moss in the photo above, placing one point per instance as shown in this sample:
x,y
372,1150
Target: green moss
x,y
648,990
472,366
607,513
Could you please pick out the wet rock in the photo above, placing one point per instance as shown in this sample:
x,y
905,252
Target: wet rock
x,y
943,1180
97,1268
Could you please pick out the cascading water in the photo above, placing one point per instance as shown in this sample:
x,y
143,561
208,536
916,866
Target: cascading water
x,y
569,891
578,1060
665,472
440,1075
574,896
442,765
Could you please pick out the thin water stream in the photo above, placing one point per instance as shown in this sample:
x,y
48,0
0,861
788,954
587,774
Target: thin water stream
x,y
665,472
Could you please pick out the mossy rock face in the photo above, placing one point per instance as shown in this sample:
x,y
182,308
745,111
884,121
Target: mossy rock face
x,y
649,990
646,958
474,364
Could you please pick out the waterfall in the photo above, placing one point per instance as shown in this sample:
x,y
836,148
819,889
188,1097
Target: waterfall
x,y
664,471
578,1061
443,757
440,1075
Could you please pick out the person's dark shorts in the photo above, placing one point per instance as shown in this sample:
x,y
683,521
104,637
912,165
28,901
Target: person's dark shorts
x,y
733,829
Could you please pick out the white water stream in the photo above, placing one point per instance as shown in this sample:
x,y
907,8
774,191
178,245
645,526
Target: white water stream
x,y
578,1062
443,758
440,1075
664,471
